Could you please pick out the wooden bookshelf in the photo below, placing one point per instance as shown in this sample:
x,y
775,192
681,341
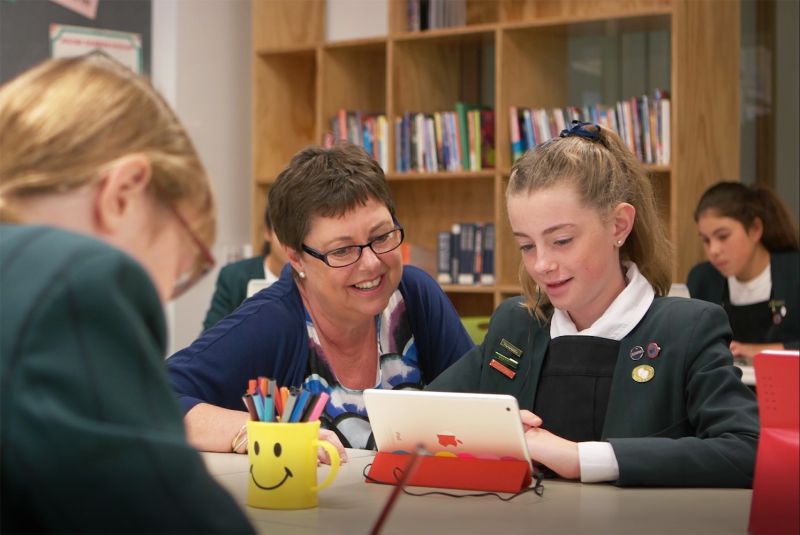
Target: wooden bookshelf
x,y
522,48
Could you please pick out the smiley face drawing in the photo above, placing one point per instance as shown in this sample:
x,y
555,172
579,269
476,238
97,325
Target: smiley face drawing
x,y
287,473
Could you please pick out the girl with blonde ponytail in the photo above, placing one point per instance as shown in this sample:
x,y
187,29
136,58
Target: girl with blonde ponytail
x,y
617,382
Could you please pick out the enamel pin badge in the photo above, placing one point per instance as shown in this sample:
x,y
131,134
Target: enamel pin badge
x,y
506,364
643,373
653,350
778,310
511,347
637,352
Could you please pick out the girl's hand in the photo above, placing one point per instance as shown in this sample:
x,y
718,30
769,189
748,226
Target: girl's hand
x,y
554,452
529,420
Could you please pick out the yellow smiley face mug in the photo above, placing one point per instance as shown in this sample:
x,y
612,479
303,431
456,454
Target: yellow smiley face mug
x,y
283,464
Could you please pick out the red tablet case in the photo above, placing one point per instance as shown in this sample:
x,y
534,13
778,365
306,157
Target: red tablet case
x,y
775,507
453,472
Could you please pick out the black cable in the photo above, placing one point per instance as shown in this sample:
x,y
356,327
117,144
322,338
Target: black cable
x,y
537,488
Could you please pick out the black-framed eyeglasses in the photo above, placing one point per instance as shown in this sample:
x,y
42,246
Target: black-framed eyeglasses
x,y
345,256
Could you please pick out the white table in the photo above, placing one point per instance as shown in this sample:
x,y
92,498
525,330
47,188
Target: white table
x,y
350,505
748,374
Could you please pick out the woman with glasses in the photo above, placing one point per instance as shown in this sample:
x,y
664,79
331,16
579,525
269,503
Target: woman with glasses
x,y
105,214
344,316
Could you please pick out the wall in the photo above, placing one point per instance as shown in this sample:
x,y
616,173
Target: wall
x,y
780,94
25,29
787,109
344,19
201,63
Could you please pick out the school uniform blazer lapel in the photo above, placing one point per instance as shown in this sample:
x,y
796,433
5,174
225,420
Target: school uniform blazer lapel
x,y
783,270
535,352
785,287
623,392
517,327
633,406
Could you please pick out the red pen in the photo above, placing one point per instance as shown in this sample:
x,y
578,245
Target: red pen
x,y
387,508
278,400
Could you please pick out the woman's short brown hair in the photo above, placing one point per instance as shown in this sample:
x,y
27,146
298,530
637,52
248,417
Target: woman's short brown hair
x,y
321,182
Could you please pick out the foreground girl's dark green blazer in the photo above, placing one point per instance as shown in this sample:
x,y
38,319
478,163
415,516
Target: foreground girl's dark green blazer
x,y
91,438
693,424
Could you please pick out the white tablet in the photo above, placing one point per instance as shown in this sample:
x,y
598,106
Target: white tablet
x,y
484,426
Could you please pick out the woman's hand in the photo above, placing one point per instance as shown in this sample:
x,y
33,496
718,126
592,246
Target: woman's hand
x,y
329,436
554,452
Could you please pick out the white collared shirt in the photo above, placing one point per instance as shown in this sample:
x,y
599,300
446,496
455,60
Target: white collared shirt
x,y
597,459
756,290
624,313
268,275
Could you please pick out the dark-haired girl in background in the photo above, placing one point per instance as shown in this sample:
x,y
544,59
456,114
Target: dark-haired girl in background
x,y
753,267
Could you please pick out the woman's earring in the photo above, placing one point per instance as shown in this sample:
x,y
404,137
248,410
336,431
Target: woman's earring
x,y
301,274
619,243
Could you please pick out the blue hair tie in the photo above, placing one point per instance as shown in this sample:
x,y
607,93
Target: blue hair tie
x,y
577,129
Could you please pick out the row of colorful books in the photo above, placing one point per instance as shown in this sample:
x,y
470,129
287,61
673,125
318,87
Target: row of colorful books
x,y
432,14
642,123
465,255
368,130
463,140
460,140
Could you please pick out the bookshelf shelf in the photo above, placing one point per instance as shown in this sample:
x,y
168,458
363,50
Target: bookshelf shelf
x,y
448,34
508,53
302,50
444,176
369,42
466,289
628,20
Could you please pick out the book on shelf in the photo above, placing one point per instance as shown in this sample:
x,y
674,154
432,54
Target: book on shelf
x,y
418,140
529,140
647,149
516,140
487,264
455,251
477,264
465,255
464,129
433,14
367,130
455,144
441,149
473,141
641,122
443,258
445,140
